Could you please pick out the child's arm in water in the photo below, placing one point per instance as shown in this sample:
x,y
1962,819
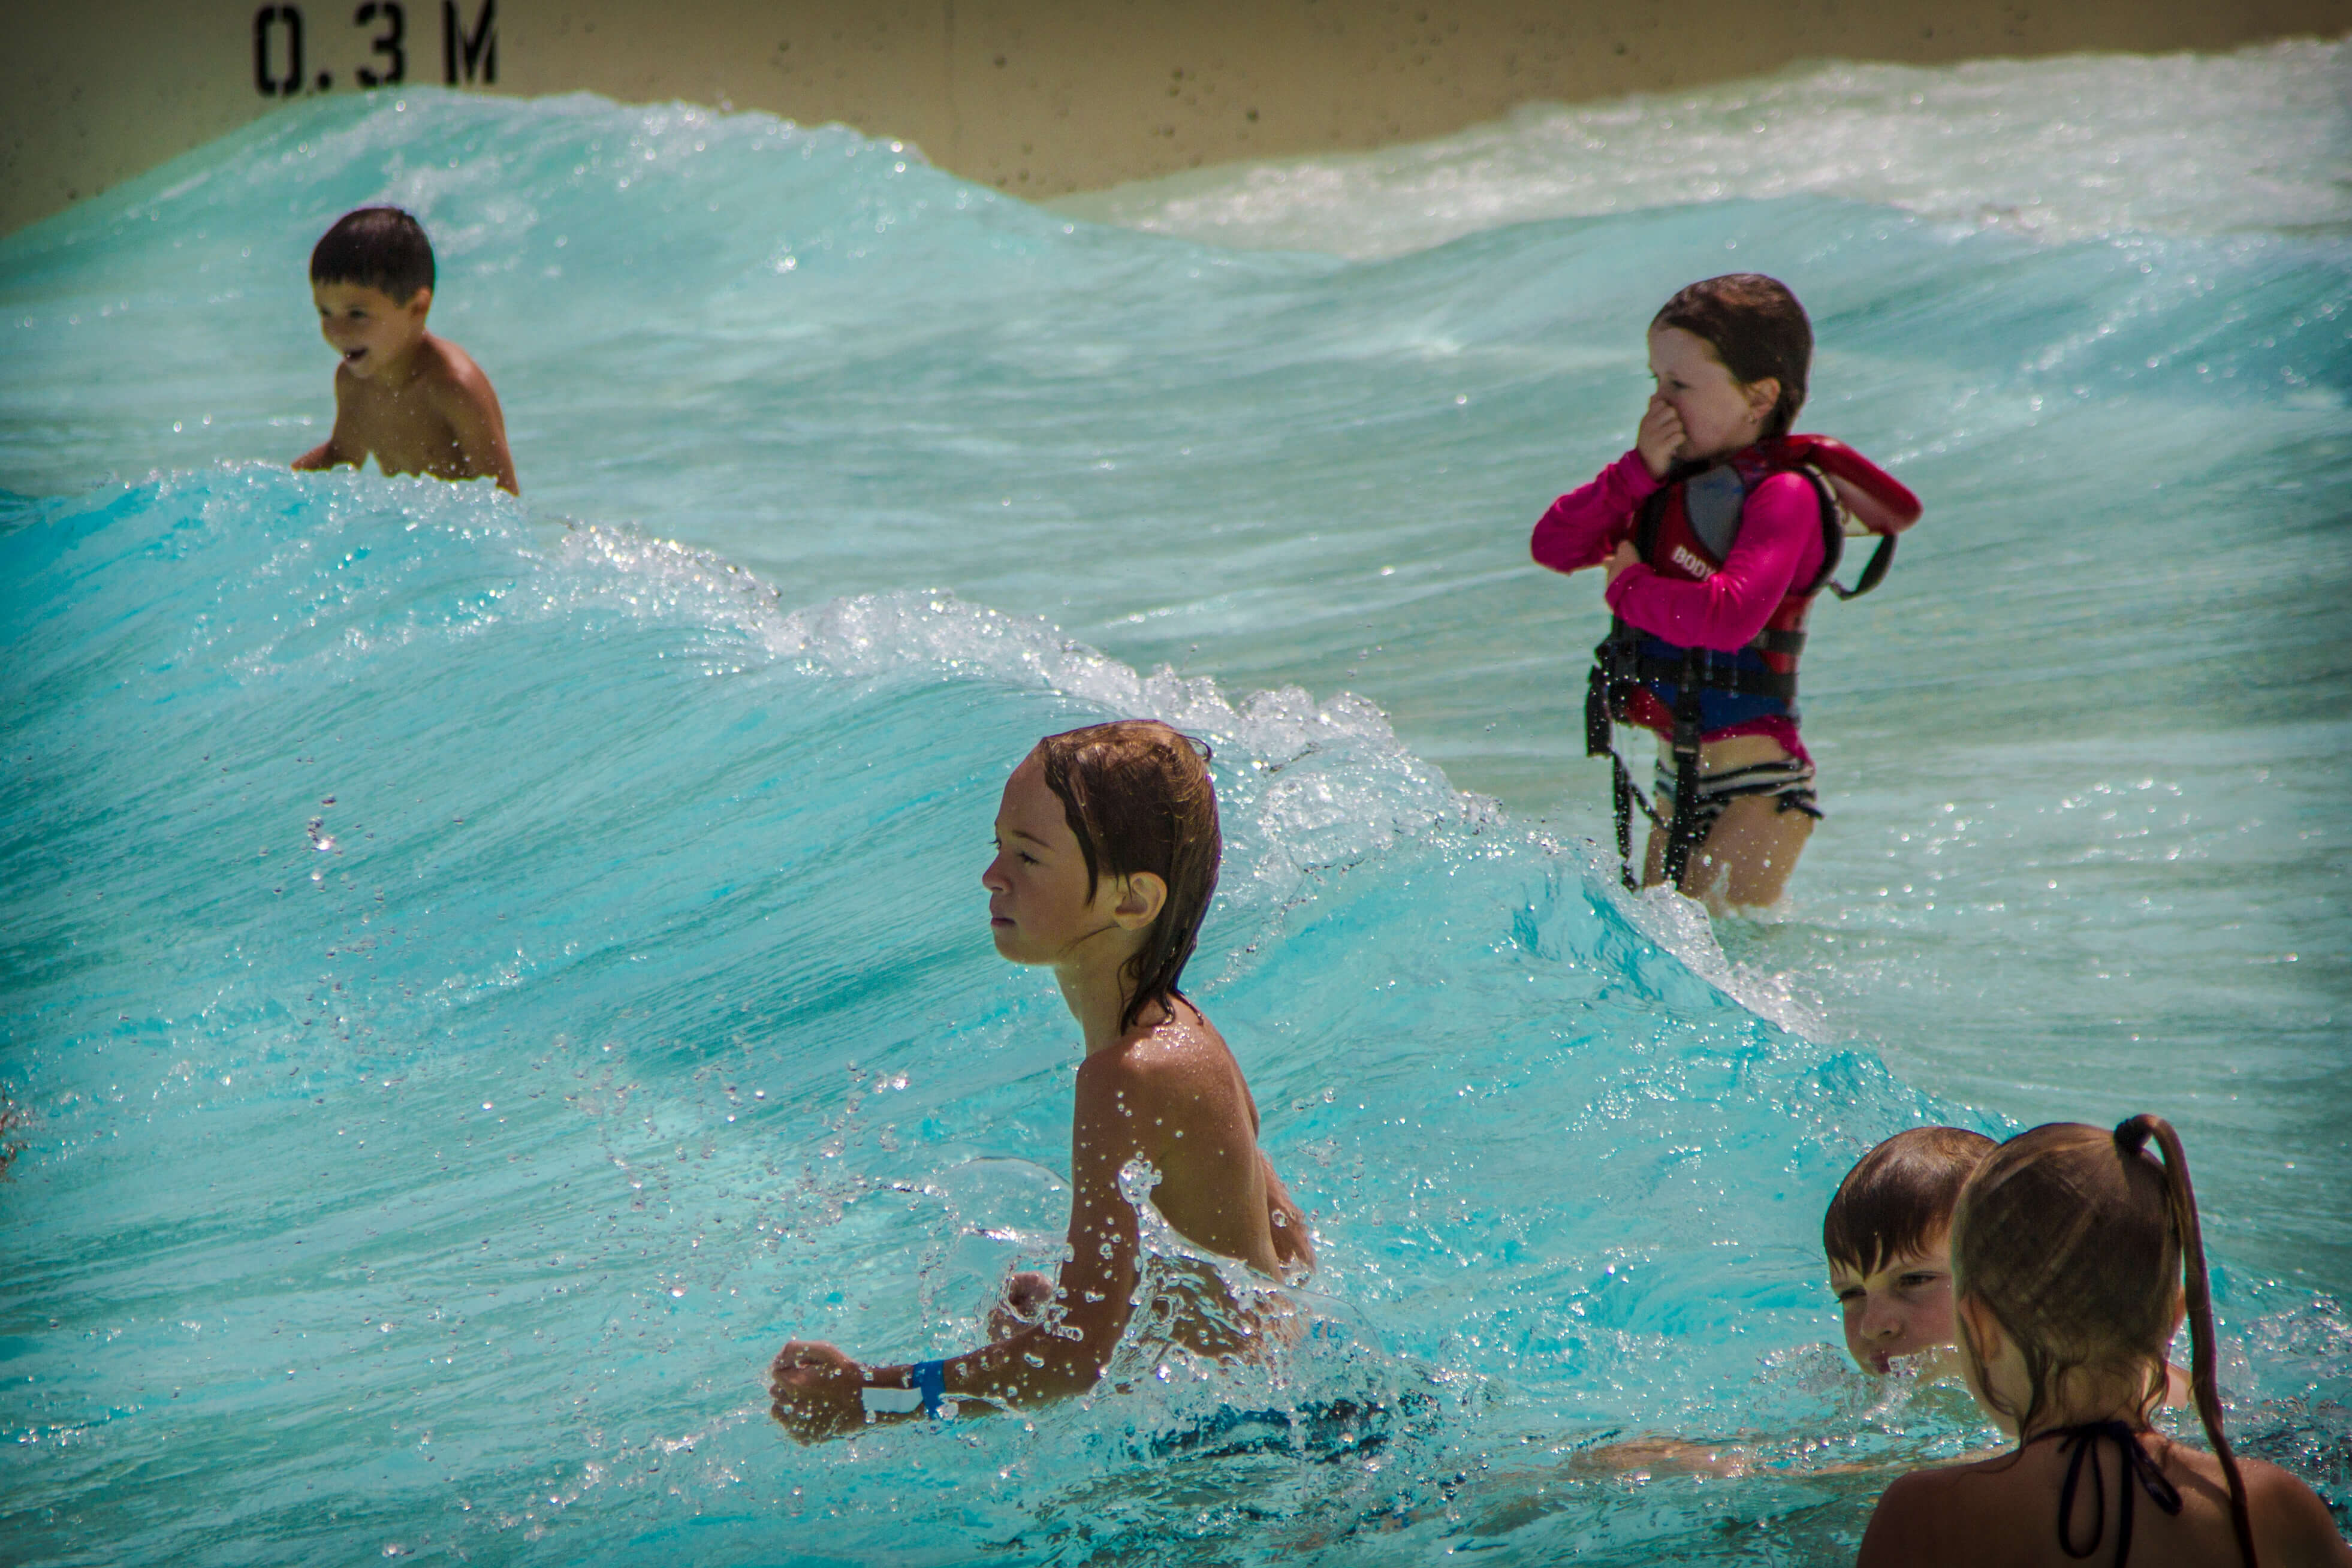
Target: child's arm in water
x,y
1294,1247
1171,1098
342,447
463,396
819,1391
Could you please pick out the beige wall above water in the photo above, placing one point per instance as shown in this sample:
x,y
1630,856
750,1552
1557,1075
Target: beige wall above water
x,y
1038,97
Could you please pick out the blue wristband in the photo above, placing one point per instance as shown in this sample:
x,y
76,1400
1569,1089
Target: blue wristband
x,y
930,1381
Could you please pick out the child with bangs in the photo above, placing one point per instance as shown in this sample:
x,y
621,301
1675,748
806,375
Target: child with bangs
x,y
2076,1255
1106,850
1887,1235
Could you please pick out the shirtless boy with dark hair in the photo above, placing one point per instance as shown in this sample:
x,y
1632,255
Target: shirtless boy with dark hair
x,y
416,402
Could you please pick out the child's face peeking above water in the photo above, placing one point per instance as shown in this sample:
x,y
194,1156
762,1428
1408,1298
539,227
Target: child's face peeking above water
x,y
368,327
1039,909
1719,413
1901,1307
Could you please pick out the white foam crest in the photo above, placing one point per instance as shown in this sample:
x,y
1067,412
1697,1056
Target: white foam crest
x,y
2065,148
1326,782
1681,926
1320,785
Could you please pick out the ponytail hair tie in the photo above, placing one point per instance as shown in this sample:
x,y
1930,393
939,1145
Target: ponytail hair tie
x,y
2132,1136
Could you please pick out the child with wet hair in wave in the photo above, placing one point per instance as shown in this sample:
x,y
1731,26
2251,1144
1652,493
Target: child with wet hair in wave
x,y
2076,1254
1887,1237
1106,851
415,402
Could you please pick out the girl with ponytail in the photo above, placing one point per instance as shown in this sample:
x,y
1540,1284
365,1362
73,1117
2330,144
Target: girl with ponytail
x,y
2076,1254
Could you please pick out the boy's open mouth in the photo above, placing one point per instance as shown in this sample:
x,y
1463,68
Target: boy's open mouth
x,y
353,356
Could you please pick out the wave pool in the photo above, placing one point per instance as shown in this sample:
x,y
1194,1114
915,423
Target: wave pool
x,y
478,976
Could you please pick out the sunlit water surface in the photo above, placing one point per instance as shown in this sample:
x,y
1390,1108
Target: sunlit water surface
x,y
480,976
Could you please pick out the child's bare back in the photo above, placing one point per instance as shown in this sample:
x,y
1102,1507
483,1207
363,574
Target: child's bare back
x,y
416,402
1114,915
1171,1095
2004,1511
2075,1256
1215,1187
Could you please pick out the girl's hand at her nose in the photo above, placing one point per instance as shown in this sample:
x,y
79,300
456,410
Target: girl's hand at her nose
x,y
1660,437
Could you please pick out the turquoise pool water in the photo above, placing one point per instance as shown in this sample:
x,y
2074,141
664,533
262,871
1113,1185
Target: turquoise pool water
x,y
482,975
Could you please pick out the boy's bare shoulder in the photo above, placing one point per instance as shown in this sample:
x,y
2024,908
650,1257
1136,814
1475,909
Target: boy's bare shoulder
x,y
1182,1061
451,371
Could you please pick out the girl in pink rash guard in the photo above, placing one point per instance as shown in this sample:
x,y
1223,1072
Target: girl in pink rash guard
x,y
1715,535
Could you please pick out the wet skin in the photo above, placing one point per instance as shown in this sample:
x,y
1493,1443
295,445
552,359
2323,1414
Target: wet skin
x,y
1163,1089
1901,1307
413,402
2006,1509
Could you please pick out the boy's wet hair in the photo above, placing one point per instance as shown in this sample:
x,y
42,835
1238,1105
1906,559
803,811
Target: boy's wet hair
x,y
1138,797
1899,1194
2081,1243
382,248
1756,328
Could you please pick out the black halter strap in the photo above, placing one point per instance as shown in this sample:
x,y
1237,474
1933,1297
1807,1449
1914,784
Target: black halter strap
x,y
2081,1444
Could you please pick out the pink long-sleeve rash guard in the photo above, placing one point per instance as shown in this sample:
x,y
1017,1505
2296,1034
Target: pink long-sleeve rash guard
x,y
1780,543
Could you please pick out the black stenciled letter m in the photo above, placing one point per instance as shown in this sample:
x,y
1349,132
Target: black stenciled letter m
x,y
477,50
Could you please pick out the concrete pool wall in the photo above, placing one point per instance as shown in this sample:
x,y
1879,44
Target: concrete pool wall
x,y
1037,97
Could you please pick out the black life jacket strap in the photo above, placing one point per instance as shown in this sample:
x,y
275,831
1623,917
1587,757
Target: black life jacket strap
x,y
1624,796
1873,571
1714,675
1683,833
1605,691
1832,531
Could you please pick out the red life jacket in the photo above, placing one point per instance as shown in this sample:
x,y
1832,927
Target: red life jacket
x,y
1688,527
1687,530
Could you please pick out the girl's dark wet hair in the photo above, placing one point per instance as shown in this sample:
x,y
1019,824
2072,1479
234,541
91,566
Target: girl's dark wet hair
x,y
1899,1194
1138,797
2077,1239
1756,328
382,248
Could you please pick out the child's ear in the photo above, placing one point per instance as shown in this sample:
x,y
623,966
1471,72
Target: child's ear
x,y
1140,900
1762,395
422,300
